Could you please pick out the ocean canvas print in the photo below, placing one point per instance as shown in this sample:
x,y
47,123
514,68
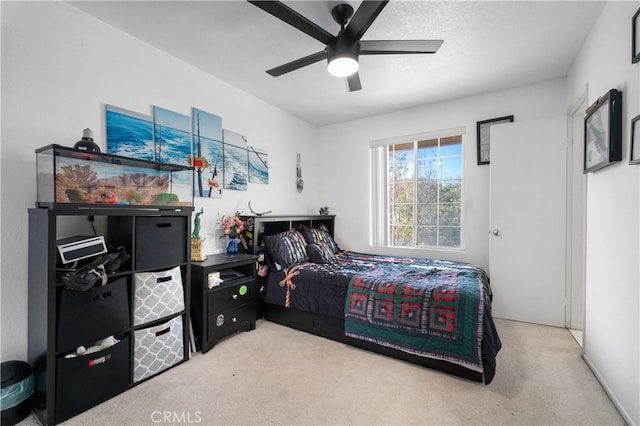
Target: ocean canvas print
x,y
207,159
258,165
235,161
129,134
172,135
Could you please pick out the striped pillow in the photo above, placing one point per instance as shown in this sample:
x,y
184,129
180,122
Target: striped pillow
x,y
320,252
286,249
314,235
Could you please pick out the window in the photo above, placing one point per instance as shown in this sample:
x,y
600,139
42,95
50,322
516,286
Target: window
x,y
417,190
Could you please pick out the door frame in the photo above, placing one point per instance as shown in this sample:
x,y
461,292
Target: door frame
x,y
576,285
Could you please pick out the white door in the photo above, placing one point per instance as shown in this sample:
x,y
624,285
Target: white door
x,y
528,220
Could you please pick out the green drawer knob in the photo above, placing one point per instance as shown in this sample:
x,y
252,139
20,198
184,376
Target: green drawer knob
x,y
242,290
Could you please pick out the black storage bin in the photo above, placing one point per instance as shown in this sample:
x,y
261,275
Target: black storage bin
x,y
17,388
88,316
160,242
87,380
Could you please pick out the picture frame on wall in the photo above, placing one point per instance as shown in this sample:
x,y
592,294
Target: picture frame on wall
x,y
483,130
634,157
603,132
635,38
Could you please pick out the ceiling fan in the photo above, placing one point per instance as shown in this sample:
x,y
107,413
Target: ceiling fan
x,y
342,50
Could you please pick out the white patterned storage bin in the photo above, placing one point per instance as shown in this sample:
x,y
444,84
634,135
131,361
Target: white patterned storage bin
x,y
157,348
157,295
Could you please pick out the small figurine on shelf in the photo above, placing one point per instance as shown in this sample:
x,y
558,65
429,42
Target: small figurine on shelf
x,y
196,225
324,210
196,241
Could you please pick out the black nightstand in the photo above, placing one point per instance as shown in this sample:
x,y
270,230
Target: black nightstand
x,y
222,308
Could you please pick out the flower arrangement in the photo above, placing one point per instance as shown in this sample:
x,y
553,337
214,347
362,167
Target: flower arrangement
x,y
232,226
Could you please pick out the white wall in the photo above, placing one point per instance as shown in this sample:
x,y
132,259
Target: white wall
x,y
59,68
345,187
612,323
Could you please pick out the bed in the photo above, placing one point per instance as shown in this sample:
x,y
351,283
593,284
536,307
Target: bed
x,y
433,313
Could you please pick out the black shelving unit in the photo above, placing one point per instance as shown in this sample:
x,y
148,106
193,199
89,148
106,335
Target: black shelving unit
x,y
158,240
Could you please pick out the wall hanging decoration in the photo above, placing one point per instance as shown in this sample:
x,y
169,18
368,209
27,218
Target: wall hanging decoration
x,y
258,213
483,130
635,37
235,161
129,134
603,132
172,136
634,157
207,160
299,181
258,165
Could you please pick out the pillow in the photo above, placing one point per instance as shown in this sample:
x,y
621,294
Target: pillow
x,y
320,252
286,249
314,235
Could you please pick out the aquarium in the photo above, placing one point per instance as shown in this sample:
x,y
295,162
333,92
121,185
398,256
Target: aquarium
x,y
67,175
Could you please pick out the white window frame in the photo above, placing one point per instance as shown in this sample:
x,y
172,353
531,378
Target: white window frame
x,y
379,220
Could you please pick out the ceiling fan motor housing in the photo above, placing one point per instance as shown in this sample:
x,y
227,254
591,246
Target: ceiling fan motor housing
x,y
341,47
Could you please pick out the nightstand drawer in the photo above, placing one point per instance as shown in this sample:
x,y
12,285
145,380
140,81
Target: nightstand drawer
x,y
230,296
242,318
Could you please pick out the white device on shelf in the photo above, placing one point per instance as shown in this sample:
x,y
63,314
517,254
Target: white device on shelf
x,y
80,247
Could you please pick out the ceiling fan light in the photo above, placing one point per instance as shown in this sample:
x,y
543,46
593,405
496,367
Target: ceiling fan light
x,y
342,56
343,66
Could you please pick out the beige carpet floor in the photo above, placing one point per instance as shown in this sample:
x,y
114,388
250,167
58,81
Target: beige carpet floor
x,y
277,375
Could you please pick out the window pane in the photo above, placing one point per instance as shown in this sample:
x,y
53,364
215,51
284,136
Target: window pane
x,y
449,237
427,214
428,148
451,191
401,192
449,214
401,214
426,236
428,168
427,191
451,145
400,161
401,236
451,168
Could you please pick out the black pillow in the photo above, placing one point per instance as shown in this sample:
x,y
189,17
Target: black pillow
x,y
286,249
314,235
320,252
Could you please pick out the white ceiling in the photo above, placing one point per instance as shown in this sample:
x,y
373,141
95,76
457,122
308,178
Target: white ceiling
x,y
488,46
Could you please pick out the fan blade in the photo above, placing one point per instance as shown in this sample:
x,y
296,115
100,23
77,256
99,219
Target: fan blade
x,y
298,63
390,47
353,82
293,18
363,18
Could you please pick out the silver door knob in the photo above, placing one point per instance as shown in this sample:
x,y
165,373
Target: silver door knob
x,y
496,232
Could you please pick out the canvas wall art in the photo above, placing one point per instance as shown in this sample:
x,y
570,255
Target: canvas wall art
x,y
235,161
258,165
207,158
172,136
129,134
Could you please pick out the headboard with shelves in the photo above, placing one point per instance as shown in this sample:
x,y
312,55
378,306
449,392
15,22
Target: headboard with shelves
x,y
256,227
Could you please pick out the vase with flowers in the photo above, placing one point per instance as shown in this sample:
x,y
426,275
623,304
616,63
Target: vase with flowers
x,y
232,227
